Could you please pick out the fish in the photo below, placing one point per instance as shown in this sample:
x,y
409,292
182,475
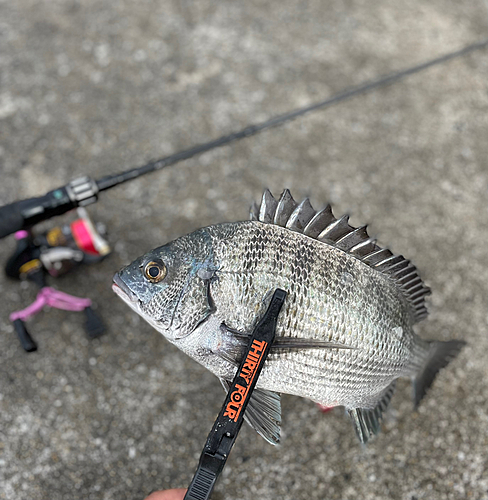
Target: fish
x,y
345,334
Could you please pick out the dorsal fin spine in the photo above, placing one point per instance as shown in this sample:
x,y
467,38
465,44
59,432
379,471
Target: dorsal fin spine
x,y
369,241
416,288
388,265
423,291
364,248
399,266
378,251
286,206
301,216
383,263
358,230
406,271
337,229
319,222
268,207
377,256
392,262
413,282
407,277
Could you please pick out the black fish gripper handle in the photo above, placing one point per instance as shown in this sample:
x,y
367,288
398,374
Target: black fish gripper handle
x,y
229,421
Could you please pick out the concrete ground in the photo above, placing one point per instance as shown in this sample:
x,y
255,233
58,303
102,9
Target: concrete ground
x,y
90,87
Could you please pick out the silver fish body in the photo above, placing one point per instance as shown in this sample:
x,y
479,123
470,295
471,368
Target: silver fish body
x,y
332,297
345,333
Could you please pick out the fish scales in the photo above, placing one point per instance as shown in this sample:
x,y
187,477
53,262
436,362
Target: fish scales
x,y
344,334
255,258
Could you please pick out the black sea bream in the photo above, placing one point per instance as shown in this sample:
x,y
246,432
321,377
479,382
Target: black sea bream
x,y
345,333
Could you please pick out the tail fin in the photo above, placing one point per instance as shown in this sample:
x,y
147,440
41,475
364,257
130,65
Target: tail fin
x,y
440,354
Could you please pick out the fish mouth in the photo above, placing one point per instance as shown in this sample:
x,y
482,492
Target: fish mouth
x,y
123,291
130,298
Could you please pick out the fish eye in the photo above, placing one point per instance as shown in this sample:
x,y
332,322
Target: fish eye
x,y
155,271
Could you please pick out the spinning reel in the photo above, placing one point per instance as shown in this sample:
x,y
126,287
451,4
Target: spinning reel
x,y
56,252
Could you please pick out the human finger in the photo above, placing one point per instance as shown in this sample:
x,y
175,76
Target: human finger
x,y
174,494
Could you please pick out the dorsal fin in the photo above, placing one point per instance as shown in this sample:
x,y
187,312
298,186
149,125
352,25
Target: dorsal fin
x,y
323,226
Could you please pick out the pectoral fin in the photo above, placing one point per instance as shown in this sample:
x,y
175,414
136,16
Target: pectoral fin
x,y
263,413
237,342
294,343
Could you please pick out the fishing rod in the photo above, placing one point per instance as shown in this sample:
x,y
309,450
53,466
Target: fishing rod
x,y
84,190
60,249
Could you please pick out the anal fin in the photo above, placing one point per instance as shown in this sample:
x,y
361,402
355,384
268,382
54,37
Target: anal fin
x,y
263,413
367,420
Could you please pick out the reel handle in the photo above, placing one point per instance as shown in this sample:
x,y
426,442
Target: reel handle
x,y
24,336
94,326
